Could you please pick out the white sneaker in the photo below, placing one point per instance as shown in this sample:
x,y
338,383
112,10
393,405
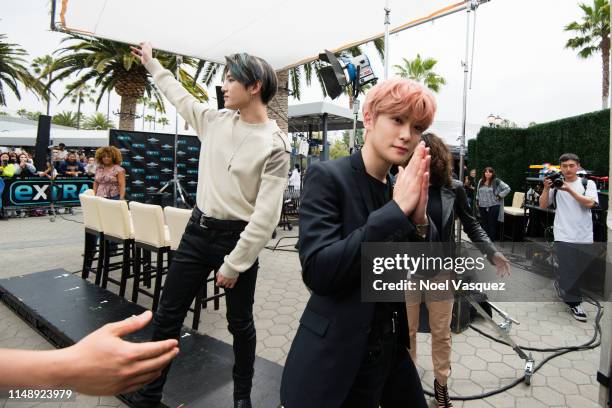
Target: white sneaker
x,y
578,313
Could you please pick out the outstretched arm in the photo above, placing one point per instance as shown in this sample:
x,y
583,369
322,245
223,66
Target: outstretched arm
x,y
195,113
100,364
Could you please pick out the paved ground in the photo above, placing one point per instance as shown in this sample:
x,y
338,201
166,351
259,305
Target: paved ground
x,y
479,365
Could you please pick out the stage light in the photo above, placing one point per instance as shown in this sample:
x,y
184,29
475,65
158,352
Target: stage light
x,y
358,73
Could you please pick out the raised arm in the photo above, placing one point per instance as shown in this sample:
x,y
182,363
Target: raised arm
x,y
195,113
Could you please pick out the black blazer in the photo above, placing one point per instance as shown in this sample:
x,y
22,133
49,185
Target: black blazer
x,y
336,217
455,204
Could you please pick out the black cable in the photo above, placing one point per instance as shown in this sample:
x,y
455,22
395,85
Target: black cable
x,y
560,351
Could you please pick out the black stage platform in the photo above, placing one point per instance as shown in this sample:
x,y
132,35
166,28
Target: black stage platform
x,y
65,308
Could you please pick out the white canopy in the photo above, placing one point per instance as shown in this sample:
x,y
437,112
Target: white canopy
x,y
285,33
74,138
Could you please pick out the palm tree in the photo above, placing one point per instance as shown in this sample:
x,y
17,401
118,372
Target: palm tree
x,y
150,119
145,102
98,121
42,67
163,121
593,36
78,95
111,65
421,70
13,71
156,106
65,118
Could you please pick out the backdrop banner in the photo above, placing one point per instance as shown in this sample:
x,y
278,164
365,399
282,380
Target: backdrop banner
x,y
148,160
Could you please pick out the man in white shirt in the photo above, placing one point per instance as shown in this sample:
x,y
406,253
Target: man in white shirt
x,y
295,180
573,229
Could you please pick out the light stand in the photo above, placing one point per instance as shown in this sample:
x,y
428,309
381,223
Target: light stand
x,y
466,68
177,188
353,137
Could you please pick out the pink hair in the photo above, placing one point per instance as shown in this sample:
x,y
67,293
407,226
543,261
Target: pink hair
x,y
401,97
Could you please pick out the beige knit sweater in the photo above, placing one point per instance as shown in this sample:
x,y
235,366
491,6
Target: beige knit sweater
x,y
242,170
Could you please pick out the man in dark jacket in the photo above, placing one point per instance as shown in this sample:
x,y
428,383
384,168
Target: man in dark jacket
x,y
349,353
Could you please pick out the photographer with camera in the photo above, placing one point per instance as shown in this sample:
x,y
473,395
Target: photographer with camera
x,y
572,198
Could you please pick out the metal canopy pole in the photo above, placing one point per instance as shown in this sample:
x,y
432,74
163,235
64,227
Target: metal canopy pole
x,y
387,23
466,69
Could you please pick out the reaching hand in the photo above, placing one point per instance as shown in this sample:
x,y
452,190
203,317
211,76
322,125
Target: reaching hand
x,y
502,264
144,53
104,364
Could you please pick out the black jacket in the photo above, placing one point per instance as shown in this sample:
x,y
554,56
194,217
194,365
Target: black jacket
x,y
336,217
455,204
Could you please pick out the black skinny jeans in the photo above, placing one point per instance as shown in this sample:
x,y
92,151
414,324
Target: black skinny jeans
x,y
201,251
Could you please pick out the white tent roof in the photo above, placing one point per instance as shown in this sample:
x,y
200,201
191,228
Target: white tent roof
x,y
285,33
70,137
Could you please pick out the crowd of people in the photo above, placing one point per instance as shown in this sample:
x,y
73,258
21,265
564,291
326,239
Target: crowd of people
x,y
19,162
103,166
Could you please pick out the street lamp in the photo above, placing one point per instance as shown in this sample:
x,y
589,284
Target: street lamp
x,y
491,120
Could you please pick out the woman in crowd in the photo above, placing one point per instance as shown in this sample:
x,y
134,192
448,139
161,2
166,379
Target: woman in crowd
x,y
109,181
7,169
50,172
25,168
469,183
490,197
447,200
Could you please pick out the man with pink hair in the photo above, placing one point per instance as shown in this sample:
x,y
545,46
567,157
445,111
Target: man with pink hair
x,y
349,353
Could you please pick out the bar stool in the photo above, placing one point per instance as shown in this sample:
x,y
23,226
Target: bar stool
x,y
177,219
517,211
117,227
151,235
94,236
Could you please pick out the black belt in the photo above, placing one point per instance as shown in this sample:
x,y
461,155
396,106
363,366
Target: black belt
x,y
215,224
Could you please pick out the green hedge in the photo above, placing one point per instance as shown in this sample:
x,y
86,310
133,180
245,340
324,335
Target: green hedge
x,y
511,150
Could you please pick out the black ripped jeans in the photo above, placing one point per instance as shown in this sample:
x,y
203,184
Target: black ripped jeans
x,y
201,251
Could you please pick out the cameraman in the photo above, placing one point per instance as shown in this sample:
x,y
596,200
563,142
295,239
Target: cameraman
x,y
573,228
